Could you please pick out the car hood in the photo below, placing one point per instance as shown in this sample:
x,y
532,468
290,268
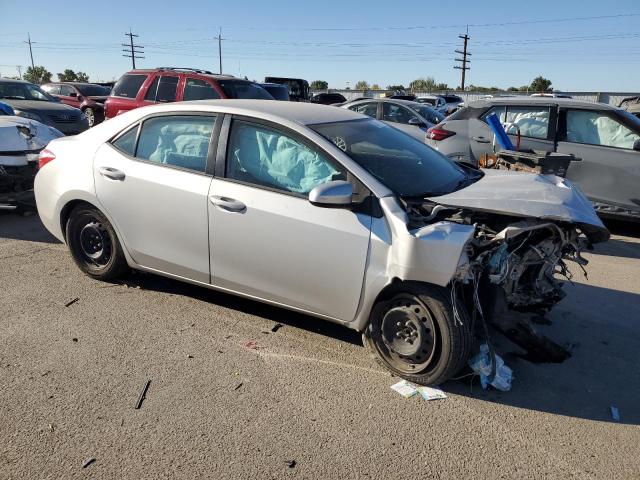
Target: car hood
x,y
38,106
529,195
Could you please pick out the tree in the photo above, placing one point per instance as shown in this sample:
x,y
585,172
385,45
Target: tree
x,y
441,87
425,84
319,85
540,84
396,88
375,86
513,89
37,75
362,85
70,76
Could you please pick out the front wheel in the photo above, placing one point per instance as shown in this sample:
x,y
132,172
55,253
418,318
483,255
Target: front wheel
x,y
416,335
94,245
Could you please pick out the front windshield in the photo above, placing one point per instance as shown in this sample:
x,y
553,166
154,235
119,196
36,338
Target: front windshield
x,y
93,90
24,91
405,165
240,89
429,114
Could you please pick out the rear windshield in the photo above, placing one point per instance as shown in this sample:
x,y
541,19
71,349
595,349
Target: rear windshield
x,y
93,90
452,98
279,92
405,165
128,86
240,89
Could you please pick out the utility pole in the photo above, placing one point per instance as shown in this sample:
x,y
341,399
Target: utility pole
x,y
30,49
219,38
131,48
464,59
19,67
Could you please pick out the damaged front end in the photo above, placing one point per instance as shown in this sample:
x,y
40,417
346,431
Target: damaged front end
x,y
515,263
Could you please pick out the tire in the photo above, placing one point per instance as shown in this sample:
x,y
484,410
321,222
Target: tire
x,y
414,334
94,245
91,116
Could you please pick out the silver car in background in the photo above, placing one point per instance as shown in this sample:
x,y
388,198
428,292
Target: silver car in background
x,y
317,209
605,140
412,118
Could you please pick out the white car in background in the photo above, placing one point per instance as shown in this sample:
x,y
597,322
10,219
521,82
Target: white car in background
x,y
317,209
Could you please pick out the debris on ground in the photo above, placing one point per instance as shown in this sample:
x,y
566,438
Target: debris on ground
x,y
431,393
291,463
74,339
44,374
615,413
276,327
238,386
143,395
189,356
405,388
71,302
87,462
491,368
252,344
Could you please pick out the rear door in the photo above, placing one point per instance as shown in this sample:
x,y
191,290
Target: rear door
x,y
268,240
366,108
163,89
609,170
153,180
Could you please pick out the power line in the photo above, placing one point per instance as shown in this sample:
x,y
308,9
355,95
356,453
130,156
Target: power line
x,y
132,48
463,60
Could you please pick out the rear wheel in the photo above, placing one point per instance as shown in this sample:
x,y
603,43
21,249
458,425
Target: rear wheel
x,y
91,116
415,335
94,245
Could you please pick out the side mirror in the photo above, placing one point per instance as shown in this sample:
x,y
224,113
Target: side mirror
x,y
334,194
636,145
416,122
73,94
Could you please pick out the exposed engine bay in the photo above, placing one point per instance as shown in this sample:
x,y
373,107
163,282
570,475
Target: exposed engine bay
x,y
511,264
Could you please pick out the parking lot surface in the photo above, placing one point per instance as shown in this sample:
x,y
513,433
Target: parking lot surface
x,y
230,398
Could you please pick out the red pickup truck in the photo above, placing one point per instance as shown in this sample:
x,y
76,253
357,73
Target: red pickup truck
x,y
138,88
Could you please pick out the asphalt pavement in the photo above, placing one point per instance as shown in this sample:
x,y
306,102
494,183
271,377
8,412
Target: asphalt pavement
x,y
232,398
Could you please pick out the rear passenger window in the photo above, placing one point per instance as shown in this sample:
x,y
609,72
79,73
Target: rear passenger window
x,y
180,141
366,109
530,121
128,86
195,89
127,142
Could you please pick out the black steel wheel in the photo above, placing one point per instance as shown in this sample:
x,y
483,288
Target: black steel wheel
x,y
415,335
93,244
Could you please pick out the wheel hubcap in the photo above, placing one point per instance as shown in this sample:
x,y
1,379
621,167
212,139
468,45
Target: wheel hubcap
x,y
94,242
408,333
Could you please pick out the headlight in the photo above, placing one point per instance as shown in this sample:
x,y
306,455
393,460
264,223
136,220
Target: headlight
x,y
31,115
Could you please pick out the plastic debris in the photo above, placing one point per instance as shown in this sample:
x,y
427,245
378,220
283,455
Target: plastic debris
x,y
143,395
291,463
276,327
253,345
492,371
238,386
405,388
615,413
431,393
87,462
71,302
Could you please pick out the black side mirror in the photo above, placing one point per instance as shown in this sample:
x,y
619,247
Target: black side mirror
x,y
636,145
73,94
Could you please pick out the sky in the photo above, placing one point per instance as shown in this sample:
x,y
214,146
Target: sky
x,y
583,45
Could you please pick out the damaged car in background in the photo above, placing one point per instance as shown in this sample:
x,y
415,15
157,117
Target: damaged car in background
x,y
359,223
21,141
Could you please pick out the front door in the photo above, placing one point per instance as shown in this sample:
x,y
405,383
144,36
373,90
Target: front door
x,y
155,189
609,168
69,95
268,241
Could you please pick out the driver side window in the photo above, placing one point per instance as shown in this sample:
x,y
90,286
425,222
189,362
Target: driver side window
x,y
396,113
263,156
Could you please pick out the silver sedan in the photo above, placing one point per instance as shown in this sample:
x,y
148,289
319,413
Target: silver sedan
x,y
316,209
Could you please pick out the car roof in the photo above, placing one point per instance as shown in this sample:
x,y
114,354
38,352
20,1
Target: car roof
x,y
146,71
400,101
563,102
13,80
302,113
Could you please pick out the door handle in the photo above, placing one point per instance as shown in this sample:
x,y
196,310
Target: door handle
x,y
228,204
480,139
111,173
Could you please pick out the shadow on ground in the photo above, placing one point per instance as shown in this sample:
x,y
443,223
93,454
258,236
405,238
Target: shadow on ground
x,y
28,228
